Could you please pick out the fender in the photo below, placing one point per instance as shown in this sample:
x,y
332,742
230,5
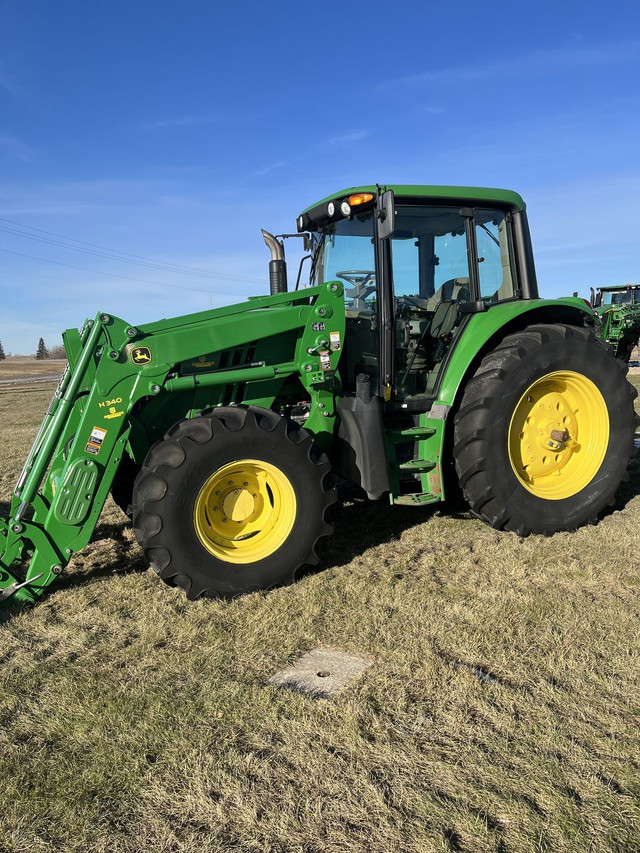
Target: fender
x,y
486,329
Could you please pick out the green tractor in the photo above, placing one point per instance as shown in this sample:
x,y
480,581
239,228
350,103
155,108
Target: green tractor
x,y
418,360
618,308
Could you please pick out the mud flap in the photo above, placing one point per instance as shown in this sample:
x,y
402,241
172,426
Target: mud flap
x,y
362,451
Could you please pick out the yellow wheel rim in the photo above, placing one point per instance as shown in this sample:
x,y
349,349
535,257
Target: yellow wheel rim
x,y
245,511
558,435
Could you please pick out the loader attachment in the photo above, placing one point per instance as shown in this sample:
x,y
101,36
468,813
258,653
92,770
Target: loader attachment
x,y
125,387
69,470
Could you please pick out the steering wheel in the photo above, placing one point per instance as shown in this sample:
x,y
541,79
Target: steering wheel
x,y
357,277
363,282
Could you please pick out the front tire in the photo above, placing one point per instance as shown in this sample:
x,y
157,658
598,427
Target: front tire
x,y
545,431
231,501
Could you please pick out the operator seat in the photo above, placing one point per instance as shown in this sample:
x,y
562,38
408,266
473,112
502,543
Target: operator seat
x,y
455,289
444,319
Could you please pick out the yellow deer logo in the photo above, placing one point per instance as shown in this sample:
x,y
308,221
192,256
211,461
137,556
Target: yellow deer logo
x,y
141,355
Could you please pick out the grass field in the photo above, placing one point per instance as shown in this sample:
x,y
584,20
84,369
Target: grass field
x,y
501,712
27,372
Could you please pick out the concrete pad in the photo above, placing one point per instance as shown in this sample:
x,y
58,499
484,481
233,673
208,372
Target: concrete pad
x,y
321,673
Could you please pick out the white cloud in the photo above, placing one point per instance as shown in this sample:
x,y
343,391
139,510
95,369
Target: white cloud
x,y
16,148
540,63
9,81
178,121
347,137
270,167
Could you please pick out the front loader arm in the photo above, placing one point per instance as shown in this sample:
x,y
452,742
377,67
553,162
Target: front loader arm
x,y
48,519
113,367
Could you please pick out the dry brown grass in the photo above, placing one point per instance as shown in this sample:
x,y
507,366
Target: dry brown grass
x,y
26,372
131,720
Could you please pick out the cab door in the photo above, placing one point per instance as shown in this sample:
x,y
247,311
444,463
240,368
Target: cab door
x,y
446,261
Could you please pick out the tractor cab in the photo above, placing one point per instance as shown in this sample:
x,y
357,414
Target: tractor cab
x,y
411,287
628,294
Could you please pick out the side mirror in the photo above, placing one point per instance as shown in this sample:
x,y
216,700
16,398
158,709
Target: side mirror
x,y
386,214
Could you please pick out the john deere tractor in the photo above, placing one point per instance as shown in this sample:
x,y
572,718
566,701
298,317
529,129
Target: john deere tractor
x,y
419,358
618,308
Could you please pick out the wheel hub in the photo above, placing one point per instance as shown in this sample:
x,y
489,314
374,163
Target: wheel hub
x,y
238,505
245,511
558,435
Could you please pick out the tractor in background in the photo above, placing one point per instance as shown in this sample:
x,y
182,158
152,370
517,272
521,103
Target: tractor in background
x,y
618,309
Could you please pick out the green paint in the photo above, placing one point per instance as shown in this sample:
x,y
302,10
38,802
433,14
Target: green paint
x,y
125,387
433,194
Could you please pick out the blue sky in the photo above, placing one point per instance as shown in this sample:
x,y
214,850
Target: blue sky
x,y
174,132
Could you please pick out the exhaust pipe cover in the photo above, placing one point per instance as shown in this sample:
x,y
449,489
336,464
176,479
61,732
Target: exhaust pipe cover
x,y
277,264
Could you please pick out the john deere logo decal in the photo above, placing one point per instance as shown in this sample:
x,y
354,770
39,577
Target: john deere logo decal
x,y
141,355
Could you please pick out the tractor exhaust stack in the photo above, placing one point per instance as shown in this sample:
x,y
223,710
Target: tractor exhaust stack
x,y
277,264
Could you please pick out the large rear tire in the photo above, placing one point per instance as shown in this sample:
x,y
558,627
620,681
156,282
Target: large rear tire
x,y
232,501
545,431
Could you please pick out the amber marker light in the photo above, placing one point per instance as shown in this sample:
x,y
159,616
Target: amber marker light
x,y
359,198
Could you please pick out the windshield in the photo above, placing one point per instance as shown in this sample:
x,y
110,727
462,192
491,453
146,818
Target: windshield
x,y
620,297
429,256
345,253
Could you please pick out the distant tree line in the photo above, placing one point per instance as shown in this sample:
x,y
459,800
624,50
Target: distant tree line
x,y
42,351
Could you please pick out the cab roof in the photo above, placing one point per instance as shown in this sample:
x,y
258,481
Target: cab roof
x,y
618,287
413,191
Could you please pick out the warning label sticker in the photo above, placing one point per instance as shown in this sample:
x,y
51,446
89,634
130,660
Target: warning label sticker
x,y
325,360
95,440
334,341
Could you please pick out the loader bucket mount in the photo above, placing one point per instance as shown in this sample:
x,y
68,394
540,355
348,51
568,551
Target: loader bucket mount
x,y
49,521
